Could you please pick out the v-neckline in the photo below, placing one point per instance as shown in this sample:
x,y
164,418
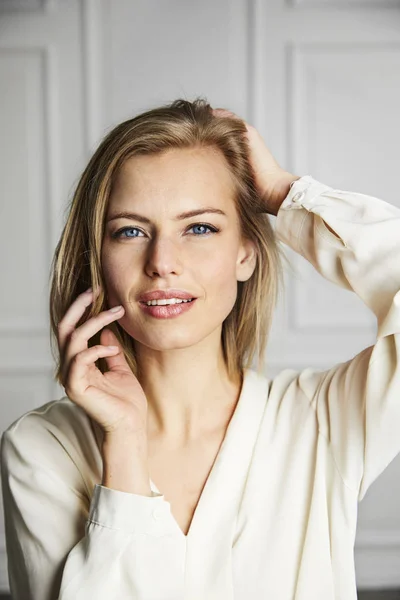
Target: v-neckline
x,y
218,463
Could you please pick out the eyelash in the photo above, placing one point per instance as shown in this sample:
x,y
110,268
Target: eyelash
x,y
118,234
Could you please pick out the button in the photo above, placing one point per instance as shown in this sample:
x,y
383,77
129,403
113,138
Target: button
x,y
158,513
297,197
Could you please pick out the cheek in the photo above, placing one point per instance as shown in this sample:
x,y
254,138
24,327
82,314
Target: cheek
x,y
221,281
113,274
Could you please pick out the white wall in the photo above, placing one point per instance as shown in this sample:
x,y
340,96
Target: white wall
x,y
321,81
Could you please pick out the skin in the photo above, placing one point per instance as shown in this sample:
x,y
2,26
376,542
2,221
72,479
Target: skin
x,y
182,372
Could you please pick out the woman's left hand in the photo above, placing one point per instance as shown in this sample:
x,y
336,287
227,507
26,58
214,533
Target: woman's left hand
x,y
273,182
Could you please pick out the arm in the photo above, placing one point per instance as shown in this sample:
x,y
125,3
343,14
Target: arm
x,y
65,544
125,465
353,240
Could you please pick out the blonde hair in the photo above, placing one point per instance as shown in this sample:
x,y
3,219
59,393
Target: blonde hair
x,y
76,263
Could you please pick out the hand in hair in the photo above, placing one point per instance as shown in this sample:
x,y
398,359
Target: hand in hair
x,y
115,399
271,180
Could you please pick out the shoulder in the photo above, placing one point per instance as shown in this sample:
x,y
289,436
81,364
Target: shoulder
x,y
57,434
292,394
60,417
296,383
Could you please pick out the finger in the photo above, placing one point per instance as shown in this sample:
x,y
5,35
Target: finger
x,y
80,364
117,361
67,324
79,337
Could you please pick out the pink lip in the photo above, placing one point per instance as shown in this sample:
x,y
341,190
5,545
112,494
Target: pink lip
x,y
167,312
166,294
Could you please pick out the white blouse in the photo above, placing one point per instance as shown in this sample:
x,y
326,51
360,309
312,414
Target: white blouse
x,y
277,516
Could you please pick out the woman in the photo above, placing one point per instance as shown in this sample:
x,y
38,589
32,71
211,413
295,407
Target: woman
x,y
171,469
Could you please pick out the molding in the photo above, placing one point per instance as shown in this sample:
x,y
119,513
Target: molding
x,y
4,585
300,80
22,5
93,74
341,4
377,538
377,559
333,324
93,110
22,326
27,6
27,370
256,97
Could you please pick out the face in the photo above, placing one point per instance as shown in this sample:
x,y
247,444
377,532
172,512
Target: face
x,y
203,255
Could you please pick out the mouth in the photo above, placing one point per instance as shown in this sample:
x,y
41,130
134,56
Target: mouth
x,y
185,301
166,311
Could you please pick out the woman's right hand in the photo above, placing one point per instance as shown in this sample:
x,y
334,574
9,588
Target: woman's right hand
x,y
115,399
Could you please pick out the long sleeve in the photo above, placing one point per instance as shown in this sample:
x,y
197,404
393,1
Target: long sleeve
x,y
63,544
357,402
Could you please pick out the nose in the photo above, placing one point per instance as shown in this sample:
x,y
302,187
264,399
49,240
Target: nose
x,y
163,258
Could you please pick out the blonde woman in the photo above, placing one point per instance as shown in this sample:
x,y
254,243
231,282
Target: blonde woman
x,y
171,469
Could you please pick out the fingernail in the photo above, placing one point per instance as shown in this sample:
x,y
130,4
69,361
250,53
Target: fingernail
x,y
116,308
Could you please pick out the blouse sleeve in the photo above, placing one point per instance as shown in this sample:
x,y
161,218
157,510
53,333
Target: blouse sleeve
x,y
63,545
357,402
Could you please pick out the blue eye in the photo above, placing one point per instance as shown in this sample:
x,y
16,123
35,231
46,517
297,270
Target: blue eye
x,y
118,234
212,229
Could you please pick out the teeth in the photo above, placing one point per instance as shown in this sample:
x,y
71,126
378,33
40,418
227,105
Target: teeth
x,y
165,302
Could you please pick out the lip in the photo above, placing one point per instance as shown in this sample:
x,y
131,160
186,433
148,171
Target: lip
x,y
165,295
167,312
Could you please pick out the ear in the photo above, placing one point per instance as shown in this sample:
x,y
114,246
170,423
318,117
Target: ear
x,y
246,261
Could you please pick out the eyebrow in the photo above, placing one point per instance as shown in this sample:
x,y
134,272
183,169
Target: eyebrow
x,y
180,217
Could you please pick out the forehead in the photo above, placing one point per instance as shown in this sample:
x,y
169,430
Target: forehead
x,y
182,172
